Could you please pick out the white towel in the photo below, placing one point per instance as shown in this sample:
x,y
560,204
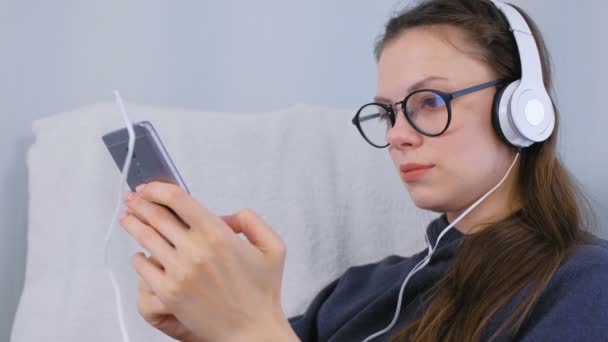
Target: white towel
x,y
335,201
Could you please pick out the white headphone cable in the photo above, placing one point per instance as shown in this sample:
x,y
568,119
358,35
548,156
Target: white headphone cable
x,y
125,172
425,261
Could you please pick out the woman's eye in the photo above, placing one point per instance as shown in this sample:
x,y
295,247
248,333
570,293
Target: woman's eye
x,y
383,115
432,101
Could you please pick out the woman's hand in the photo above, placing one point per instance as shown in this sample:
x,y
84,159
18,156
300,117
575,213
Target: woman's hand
x,y
218,285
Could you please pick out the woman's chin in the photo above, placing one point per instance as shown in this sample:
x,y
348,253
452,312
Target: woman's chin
x,y
424,199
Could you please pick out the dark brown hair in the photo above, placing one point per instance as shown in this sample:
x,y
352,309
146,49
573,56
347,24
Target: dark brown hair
x,y
522,251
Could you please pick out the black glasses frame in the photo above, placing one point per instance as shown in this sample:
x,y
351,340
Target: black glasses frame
x,y
447,97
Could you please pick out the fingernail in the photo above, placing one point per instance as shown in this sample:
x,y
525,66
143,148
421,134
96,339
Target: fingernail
x,y
139,187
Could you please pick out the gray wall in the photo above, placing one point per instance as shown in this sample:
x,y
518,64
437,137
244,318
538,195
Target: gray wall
x,y
245,56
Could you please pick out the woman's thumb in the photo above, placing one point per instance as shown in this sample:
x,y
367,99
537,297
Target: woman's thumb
x,y
256,230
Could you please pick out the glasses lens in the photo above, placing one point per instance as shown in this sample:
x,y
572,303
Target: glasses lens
x,y
428,112
375,122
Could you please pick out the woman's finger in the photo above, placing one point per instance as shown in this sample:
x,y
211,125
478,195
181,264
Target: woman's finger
x,y
142,285
149,272
185,206
159,217
257,231
131,212
155,261
149,239
148,305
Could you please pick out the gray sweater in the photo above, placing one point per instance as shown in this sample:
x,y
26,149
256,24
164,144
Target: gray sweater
x,y
573,306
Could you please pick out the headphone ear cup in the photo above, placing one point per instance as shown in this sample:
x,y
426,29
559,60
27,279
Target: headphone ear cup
x,y
496,112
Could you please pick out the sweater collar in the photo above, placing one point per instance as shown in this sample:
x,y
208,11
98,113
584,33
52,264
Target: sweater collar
x,y
437,226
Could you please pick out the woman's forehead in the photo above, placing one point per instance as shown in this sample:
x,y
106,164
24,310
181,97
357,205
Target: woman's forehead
x,y
442,42
425,52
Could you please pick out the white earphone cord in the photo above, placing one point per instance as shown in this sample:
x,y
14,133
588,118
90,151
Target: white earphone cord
x,y
125,171
425,261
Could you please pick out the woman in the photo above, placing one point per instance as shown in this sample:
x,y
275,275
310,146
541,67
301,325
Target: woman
x,y
519,265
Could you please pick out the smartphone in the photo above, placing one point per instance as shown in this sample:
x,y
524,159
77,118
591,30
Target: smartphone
x,y
150,161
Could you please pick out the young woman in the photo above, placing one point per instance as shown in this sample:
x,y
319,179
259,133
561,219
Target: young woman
x,y
519,265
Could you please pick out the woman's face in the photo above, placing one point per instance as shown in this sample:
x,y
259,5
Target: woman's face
x,y
468,159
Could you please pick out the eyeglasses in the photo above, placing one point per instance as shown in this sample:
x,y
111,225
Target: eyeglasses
x,y
427,110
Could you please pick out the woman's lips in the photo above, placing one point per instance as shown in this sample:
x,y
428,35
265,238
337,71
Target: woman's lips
x,y
413,172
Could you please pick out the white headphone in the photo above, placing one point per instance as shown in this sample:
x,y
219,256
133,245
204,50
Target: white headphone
x,y
523,112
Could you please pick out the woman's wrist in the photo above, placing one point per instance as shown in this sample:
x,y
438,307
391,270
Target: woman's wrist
x,y
277,330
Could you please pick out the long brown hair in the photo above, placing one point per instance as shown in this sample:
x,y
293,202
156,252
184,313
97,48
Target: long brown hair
x,y
524,250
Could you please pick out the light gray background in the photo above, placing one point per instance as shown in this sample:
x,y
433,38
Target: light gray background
x,y
242,55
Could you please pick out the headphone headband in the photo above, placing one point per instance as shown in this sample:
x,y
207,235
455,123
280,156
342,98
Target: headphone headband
x,y
526,44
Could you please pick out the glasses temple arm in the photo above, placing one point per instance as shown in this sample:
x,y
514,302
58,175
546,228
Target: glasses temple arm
x,y
475,88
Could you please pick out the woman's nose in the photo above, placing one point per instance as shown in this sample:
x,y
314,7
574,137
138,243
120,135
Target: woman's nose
x,y
403,133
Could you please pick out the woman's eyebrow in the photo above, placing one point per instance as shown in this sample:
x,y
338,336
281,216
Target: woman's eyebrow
x,y
418,85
